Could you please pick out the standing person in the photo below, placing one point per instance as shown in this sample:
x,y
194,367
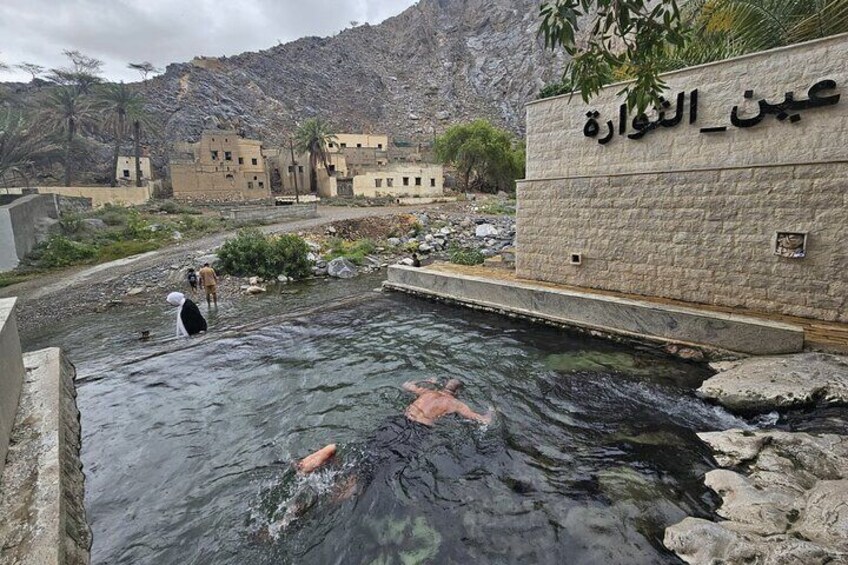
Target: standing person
x,y
192,280
416,262
209,280
189,319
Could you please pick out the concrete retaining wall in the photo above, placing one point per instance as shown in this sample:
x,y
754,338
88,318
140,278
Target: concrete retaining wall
x,y
693,215
607,314
11,374
273,213
19,226
99,195
42,512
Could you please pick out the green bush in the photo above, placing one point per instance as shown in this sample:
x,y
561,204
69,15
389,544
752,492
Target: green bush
x,y
59,251
466,256
121,249
253,253
70,223
171,207
113,215
353,251
498,207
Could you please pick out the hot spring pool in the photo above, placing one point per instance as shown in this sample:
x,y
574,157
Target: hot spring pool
x,y
187,447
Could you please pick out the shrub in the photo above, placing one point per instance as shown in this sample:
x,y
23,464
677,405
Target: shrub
x,y
70,223
253,253
498,207
59,251
121,249
113,215
171,207
353,251
466,256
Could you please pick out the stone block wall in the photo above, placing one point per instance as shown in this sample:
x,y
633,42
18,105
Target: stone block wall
x,y
21,222
692,216
11,374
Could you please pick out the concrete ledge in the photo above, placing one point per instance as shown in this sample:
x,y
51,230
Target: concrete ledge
x,y
607,314
11,374
42,517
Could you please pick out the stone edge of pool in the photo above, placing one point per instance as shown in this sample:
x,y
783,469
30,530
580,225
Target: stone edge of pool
x,y
712,333
42,486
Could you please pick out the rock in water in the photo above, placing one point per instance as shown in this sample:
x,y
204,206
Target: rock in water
x,y
486,230
764,383
341,268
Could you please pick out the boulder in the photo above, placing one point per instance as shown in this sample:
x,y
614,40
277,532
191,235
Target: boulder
x,y
406,261
95,223
486,230
424,248
136,290
393,241
341,268
762,384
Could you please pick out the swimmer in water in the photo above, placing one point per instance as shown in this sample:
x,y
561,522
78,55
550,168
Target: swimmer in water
x,y
397,438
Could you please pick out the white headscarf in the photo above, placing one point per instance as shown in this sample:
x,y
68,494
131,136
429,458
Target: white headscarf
x,y
178,299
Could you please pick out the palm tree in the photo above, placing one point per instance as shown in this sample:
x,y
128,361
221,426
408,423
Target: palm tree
x,y
123,106
728,28
20,144
314,137
68,112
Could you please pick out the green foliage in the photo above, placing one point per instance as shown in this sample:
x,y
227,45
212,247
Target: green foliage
x,y
353,251
171,207
636,40
313,137
253,253
466,256
632,33
14,277
71,224
59,251
120,249
21,144
487,157
497,207
135,227
113,215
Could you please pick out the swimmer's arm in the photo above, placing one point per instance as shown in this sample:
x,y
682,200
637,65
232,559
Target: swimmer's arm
x,y
470,414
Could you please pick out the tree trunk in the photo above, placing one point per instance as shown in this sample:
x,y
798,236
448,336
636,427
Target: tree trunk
x,y
313,172
136,135
72,126
118,139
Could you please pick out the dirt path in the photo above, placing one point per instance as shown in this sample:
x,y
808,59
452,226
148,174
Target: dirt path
x,y
71,292
53,283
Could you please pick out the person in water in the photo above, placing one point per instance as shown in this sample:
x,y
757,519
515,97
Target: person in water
x,y
396,440
209,280
189,319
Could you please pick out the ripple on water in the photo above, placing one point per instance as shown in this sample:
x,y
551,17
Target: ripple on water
x,y
188,450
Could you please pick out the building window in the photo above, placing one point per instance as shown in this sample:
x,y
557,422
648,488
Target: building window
x,y
405,181
126,173
249,184
390,183
330,145
255,178
291,168
432,182
300,169
417,181
378,183
343,145
214,155
261,184
359,145
228,156
253,162
331,169
241,160
379,146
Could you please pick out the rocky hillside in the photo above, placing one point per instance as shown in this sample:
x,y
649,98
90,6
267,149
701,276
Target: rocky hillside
x,y
437,63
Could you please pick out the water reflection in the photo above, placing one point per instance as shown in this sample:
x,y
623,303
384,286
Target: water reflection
x,y
187,447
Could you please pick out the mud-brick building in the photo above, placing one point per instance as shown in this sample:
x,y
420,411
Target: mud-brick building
x,y
220,167
734,193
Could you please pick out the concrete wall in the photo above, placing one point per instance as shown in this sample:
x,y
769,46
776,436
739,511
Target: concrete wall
x,y
11,374
99,195
291,211
20,223
692,215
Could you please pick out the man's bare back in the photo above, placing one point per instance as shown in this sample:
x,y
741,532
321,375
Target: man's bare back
x,y
434,404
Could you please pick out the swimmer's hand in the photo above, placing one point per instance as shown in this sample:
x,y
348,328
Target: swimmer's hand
x,y
317,459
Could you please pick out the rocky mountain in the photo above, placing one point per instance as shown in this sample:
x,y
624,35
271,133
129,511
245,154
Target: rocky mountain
x,y
437,63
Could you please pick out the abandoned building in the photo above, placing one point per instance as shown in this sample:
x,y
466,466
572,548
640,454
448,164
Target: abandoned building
x,y
222,166
125,169
365,165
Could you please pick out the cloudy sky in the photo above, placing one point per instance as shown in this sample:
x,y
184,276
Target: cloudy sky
x,y
167,31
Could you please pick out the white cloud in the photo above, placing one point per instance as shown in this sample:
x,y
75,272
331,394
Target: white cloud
x,y
167,31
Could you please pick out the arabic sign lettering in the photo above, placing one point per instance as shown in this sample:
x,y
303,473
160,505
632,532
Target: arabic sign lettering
x,y
789,109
